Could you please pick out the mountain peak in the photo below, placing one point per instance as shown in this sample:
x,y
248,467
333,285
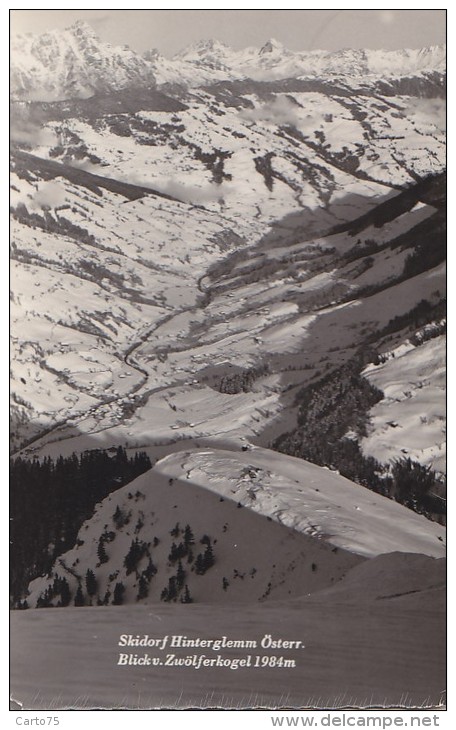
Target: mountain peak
x,y
74,63
152,54
271,46
203,48
213,44
82,28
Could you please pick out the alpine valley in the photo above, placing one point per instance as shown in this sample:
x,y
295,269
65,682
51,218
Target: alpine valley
x,y
228,369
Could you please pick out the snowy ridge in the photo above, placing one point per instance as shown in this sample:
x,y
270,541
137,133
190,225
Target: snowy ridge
x,y
310,499
172,521
76,63
278,527
274,61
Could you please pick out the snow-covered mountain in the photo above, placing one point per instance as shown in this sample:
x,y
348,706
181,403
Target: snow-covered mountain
x,y
73,63
274,61
76,63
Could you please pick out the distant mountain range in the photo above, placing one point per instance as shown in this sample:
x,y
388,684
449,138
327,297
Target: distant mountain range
x,y
75,63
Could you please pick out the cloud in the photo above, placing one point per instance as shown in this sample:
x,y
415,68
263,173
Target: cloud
x,y
195,194
279,111
185,192
86,165
283,111
427,112
50,195
25,132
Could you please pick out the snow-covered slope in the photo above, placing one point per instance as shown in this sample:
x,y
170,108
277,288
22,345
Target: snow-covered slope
x,y
242,504
311,499
255,153
413,410
167,288
132,199
92,274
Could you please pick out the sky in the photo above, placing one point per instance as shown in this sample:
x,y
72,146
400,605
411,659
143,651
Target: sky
x,y
171,30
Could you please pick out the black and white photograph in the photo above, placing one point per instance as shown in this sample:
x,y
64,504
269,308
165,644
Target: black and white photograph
x,y
228,359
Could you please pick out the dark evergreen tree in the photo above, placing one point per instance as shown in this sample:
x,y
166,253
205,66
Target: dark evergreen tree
x,y
205,560
44,599
170,593
79,597
118,518
143,588
118,597
131,558
186,598
91,583
149,571
411,482
177,552
101,552
175,531
139,524
137,550
200,568
189,538
65,593
208,558
180,575
106,598
57,586
172,588
172,557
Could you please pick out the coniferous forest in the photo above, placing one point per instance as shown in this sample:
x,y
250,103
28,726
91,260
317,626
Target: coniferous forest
x,y
333,416
51,499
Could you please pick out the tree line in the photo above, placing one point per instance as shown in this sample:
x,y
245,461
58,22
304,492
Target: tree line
x,y
50,499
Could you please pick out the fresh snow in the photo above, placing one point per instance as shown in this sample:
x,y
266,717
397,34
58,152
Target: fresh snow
x,y
310,499
410,420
